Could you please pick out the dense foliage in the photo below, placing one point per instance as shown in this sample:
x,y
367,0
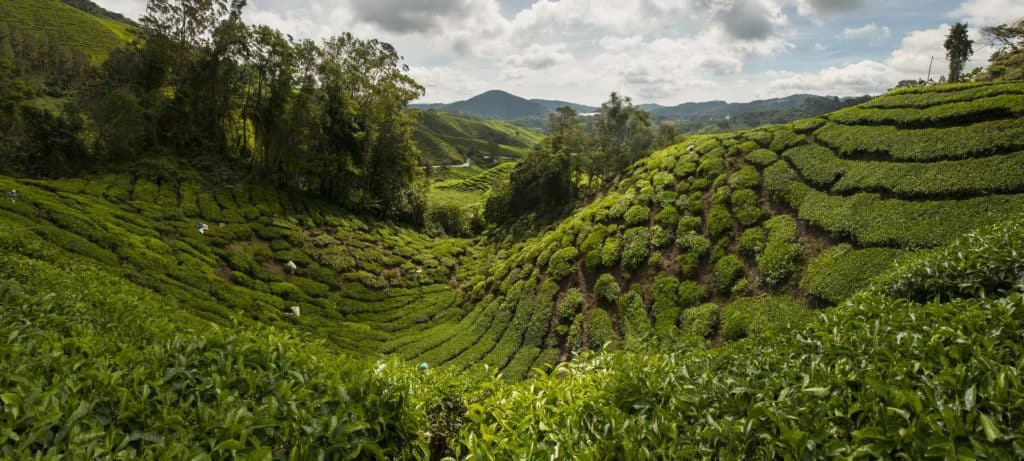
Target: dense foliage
x,y
200,84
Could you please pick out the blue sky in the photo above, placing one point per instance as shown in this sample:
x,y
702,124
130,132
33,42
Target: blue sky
x,y
664,51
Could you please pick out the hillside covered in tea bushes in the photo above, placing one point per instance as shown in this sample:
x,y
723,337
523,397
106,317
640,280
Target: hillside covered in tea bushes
x,y
705,272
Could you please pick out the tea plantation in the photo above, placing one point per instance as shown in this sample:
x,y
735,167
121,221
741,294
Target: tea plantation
x,y
682,313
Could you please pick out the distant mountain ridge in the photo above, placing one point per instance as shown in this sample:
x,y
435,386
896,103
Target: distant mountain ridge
x,y
501,105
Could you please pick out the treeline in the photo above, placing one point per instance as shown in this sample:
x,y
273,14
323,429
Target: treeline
x,y
811,107
36,67
200,85
577,157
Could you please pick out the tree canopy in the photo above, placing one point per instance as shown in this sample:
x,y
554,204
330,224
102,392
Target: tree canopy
x,y
959,48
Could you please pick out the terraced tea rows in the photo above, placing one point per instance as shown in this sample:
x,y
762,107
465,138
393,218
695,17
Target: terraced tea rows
x,y
357,283
714,239
687,242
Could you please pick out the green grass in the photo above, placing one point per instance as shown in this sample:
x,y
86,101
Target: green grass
x,y
446,139
74,28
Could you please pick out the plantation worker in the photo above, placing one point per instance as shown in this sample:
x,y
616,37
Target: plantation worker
x,y
691,148
423,366
202,228
13,196
295,311
290,268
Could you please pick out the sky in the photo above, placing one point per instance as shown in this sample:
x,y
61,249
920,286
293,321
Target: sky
x,y
655,51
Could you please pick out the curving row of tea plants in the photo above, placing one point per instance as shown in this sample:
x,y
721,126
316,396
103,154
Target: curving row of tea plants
x,y
736,239
924,363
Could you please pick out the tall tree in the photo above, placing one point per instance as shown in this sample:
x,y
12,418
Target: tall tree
x,y
959,48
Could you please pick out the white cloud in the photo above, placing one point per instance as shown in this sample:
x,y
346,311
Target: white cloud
x,y
825,8
855,79
910,61
868,31
132,9
447,83
538,56
980,13
615,43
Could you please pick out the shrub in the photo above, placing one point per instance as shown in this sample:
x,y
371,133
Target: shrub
x,y
563,263
924,144
600,329
688,224
693,242
745,207
665,304
761,157
630,306
841,271
752,242
784,138
610,251
953,112
635,247
659,237
690,293
745,178
607,288
668,217
778,261
451,219
637,214
700,321
754,316
719,221
571,303
728,270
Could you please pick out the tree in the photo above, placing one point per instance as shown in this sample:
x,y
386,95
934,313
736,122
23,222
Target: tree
x,y
959,48
667,133
624,133
1007,63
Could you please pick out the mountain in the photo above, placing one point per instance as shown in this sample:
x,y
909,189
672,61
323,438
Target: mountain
x,y
505,106
721,109
494,104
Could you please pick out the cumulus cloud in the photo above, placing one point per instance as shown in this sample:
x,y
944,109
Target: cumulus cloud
x,y
412,16
537,57
615,43
855,79
989,12
910,61
824,8
749,19
912,58
869,31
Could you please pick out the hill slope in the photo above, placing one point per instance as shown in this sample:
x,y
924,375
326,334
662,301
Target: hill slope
x,y
683,245
72,27
743,237
449,139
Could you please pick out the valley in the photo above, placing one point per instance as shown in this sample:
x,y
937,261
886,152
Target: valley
x,y
306,265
